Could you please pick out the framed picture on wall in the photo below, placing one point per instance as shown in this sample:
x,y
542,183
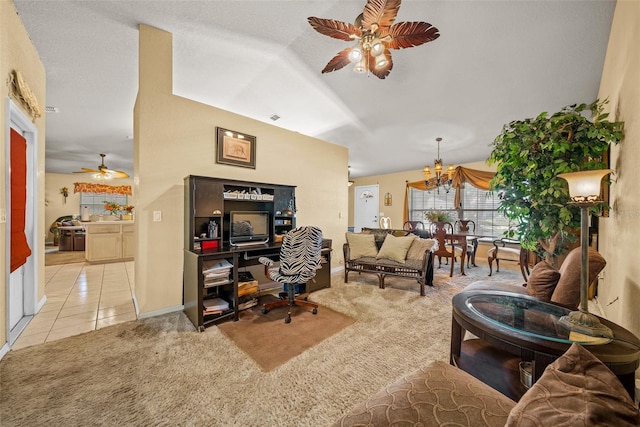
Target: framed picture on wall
x,y
235,148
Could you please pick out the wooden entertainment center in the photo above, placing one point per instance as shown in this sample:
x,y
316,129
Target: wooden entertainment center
x,y
210,204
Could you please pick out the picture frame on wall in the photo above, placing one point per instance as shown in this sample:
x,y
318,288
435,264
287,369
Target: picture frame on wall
x,y
235,148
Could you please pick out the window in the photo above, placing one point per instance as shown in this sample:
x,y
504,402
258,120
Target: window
x,y
480,206
95,202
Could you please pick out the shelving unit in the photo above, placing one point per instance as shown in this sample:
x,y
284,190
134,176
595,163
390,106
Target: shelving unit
x,y
211,201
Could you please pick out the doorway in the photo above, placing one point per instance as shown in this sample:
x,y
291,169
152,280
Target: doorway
x,y
366,205
22,284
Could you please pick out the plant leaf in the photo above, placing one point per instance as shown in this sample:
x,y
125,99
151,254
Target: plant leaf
x,y
336,29
410,34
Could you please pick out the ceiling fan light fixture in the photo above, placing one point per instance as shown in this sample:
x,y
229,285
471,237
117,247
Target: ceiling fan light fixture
x,y
355,54
377,47
360,67
381,61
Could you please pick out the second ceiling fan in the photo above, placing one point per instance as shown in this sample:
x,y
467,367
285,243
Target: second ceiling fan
x,y
103,172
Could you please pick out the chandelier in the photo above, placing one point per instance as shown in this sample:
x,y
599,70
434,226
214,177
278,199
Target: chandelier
x,y
441,180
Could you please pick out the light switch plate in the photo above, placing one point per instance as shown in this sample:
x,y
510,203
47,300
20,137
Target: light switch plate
x,y
3,216
157,216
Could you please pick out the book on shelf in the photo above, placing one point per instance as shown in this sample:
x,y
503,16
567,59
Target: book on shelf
x,y
215,304
214,283
216,265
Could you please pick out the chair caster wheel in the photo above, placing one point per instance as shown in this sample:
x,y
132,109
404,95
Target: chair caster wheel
x,y
287,319
314,311
265,311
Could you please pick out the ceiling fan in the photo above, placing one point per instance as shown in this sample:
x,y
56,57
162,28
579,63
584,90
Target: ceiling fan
x,y
103,172
374,33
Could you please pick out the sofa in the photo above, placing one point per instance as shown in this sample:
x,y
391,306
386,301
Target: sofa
x,y
388,252
575,390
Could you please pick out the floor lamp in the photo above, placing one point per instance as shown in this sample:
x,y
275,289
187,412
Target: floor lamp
x,y
584,191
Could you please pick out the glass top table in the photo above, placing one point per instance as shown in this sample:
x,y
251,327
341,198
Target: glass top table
x,y
528,316
524,327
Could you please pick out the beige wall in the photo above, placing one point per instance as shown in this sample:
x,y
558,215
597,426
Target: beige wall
x,y
619,291
55,205
174,137
18,53
395,183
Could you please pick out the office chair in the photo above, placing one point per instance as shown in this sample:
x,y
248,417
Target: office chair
x,y
299,260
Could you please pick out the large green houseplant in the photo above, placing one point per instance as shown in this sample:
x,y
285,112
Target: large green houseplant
x,y
529,154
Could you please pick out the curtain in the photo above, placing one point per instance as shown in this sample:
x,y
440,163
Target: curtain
x,y
477,178
86,187
20,250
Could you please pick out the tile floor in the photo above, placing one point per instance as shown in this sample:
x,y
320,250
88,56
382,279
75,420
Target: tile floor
x,y
81,297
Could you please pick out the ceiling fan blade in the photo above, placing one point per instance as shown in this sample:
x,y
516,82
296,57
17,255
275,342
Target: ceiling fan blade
x,y
86,170
381,72
380,12
115,174
337,62
336,29
410,34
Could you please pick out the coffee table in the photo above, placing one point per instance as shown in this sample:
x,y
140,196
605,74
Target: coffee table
x,y
529,328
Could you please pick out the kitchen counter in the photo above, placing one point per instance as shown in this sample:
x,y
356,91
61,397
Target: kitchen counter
x,y
109,241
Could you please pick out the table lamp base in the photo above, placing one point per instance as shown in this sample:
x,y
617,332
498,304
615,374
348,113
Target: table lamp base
x,y
585,323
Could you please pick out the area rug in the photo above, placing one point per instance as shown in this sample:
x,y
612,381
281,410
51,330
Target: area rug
x,y
270,342
161,372
63,257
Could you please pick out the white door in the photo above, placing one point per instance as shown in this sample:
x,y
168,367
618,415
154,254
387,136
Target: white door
x,y
22,290
366,204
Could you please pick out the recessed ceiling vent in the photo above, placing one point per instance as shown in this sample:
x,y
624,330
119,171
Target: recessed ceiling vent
x,y
274,117
52,109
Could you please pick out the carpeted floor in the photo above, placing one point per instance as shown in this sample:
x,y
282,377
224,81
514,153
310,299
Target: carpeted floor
x,y
159,371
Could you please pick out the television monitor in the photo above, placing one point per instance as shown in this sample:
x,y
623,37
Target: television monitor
x,y
248,227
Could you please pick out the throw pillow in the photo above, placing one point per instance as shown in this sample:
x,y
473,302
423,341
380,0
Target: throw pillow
x,y
542,281
419,247
361,245
395,248
576,389
567,291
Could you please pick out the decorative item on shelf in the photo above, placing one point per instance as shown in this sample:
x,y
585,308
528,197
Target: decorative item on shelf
x,y
290,209
387,199
584,191
65,193
234,148
374,33
437,168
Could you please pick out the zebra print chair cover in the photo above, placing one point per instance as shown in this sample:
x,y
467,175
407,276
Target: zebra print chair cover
x,y
299,256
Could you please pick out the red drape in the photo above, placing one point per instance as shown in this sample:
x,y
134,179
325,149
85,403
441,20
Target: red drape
x,y
20,250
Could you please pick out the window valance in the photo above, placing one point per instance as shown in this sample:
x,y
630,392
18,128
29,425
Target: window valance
x,y
477,178
87,187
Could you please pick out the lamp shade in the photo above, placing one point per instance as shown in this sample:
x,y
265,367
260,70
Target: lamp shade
x,y
584,186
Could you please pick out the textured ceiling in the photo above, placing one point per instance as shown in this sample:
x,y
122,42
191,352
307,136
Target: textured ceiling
x,y
495,61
